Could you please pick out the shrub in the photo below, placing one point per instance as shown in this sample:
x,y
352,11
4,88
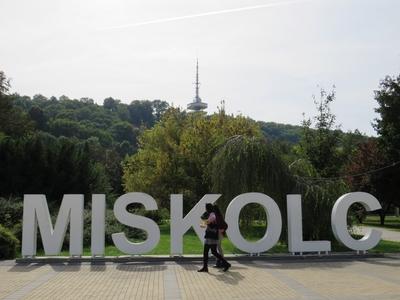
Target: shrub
x,y
159,216
8,244
17,231
111,226
87,228
10,212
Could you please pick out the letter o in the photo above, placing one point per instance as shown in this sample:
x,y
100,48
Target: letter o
x,y
274,218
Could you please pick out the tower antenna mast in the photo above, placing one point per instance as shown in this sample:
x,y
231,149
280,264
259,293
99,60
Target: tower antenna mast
x,y
197,104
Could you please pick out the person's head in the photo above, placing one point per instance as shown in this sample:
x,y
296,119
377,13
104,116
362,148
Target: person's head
x,y
217,211
209,208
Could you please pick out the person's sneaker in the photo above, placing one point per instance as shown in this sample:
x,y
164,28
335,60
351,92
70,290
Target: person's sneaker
x,y
226,267
203,270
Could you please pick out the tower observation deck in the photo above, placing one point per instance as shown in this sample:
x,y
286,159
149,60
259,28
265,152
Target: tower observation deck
x,y
197,104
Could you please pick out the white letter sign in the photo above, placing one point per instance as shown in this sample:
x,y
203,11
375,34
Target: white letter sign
x,y
36,215
98,224
126,218
339,221
36,212
295,229
274,219
180,225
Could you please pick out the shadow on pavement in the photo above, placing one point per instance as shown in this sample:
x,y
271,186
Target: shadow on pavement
x,y
298,265
25,267
141,267
231,277
98,266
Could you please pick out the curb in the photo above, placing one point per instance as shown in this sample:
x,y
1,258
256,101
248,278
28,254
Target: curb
x,y
198,258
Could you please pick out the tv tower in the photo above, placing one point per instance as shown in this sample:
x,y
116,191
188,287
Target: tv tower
x,y
197,105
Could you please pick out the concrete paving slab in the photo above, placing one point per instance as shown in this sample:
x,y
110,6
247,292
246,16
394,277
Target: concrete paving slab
x,y
370,278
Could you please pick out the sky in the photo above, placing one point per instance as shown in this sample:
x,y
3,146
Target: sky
x,y
265,58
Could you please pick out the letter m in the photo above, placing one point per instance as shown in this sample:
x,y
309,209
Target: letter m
x,y
36,214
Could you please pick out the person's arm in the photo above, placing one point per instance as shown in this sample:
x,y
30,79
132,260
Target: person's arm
x,y
211,219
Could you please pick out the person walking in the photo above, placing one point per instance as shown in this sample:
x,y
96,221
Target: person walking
x,y
222,226
211,240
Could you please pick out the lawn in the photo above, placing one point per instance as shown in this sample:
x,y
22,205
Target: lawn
x,y
391,222
192,245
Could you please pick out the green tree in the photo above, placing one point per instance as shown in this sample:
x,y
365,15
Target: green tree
x,y
388,128
318,198
123,131
141,113
320,144
111,104
13,121
281,132
369,157
41,163
37,115
174,155
388,125
250,164
159,108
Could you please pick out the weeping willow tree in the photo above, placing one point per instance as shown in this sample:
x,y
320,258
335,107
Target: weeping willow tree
x,y
251,164
318,197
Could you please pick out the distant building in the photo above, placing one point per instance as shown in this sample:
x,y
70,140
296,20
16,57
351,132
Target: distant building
x,y
197,105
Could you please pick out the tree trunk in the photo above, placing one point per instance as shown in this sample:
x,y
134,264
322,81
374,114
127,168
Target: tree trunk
x,y
382,215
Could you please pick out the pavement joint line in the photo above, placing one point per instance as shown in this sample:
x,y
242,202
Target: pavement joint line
x,y
171,286
25,290
304,291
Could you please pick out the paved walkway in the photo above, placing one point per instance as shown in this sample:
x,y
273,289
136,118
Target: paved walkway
x,y
387,234
374,278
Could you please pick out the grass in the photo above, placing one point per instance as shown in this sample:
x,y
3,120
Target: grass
x,y
192,245
391,222
382,247
386,247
